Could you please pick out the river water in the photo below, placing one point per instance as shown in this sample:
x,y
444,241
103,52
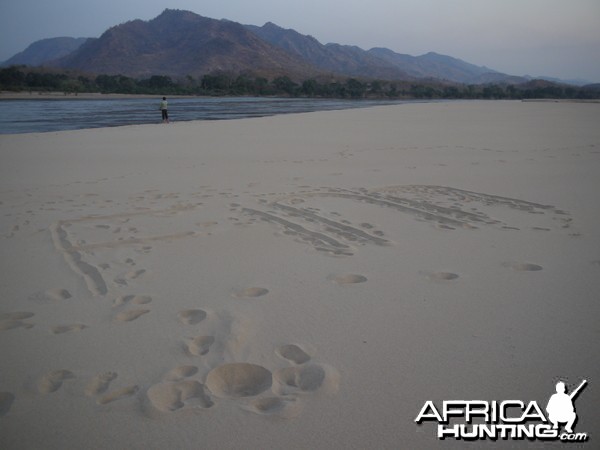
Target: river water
x,y
41,115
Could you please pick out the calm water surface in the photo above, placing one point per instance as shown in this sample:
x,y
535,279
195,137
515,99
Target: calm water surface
x,y
35,115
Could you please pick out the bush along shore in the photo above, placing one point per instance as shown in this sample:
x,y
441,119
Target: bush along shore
x,y
24,79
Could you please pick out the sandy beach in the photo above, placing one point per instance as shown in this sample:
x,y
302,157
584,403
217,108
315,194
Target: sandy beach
x,y
303,281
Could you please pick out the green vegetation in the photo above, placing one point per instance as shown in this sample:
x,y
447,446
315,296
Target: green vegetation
x,y
21,78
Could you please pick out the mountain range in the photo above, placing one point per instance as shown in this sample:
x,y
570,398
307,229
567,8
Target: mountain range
x,y
181,43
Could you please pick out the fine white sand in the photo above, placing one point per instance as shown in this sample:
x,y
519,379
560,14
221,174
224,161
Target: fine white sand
x,y
303,281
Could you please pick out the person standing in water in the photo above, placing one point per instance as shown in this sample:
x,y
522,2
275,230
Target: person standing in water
x,y
163,108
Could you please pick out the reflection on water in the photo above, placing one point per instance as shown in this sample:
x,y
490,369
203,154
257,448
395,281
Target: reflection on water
x,y
27,116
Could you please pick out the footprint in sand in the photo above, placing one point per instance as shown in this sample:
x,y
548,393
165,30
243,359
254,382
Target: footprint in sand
x,y
293,353
191,316
523,267
181,372
6,401
100,383
200,345
118,394
172,396
236,380
141,299
128,316
10,321
347,279
443,276
58,294
135,299
52,381
251,292
132,275
60,329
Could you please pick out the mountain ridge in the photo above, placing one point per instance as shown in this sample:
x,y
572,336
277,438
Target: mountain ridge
x,y
181,43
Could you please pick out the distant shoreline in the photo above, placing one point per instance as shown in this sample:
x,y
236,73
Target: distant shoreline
x,y
39,95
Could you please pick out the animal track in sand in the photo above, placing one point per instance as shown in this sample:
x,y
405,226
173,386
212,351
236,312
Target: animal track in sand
x,y
60,329
128,316
118,394
293,353
53,380
236,380
100,383
6,401
523,267
251,292
347,279
200,345
306,378
181,372
170,397
191,316
309,378
286,407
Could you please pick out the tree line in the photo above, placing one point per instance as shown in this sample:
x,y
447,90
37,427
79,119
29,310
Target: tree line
x,y
21,78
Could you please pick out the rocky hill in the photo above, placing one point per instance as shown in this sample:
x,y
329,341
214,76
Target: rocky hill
x,y
335,58
181,43
45,50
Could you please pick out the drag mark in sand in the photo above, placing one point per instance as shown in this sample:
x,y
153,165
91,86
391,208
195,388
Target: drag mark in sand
x,y
445,207
76,251
91,275
319,240
342,230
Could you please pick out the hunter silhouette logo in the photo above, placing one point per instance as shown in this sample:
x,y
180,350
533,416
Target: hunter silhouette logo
x,y
560,406
508,419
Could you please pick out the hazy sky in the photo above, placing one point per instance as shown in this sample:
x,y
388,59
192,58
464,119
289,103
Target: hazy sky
x,y
559,38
